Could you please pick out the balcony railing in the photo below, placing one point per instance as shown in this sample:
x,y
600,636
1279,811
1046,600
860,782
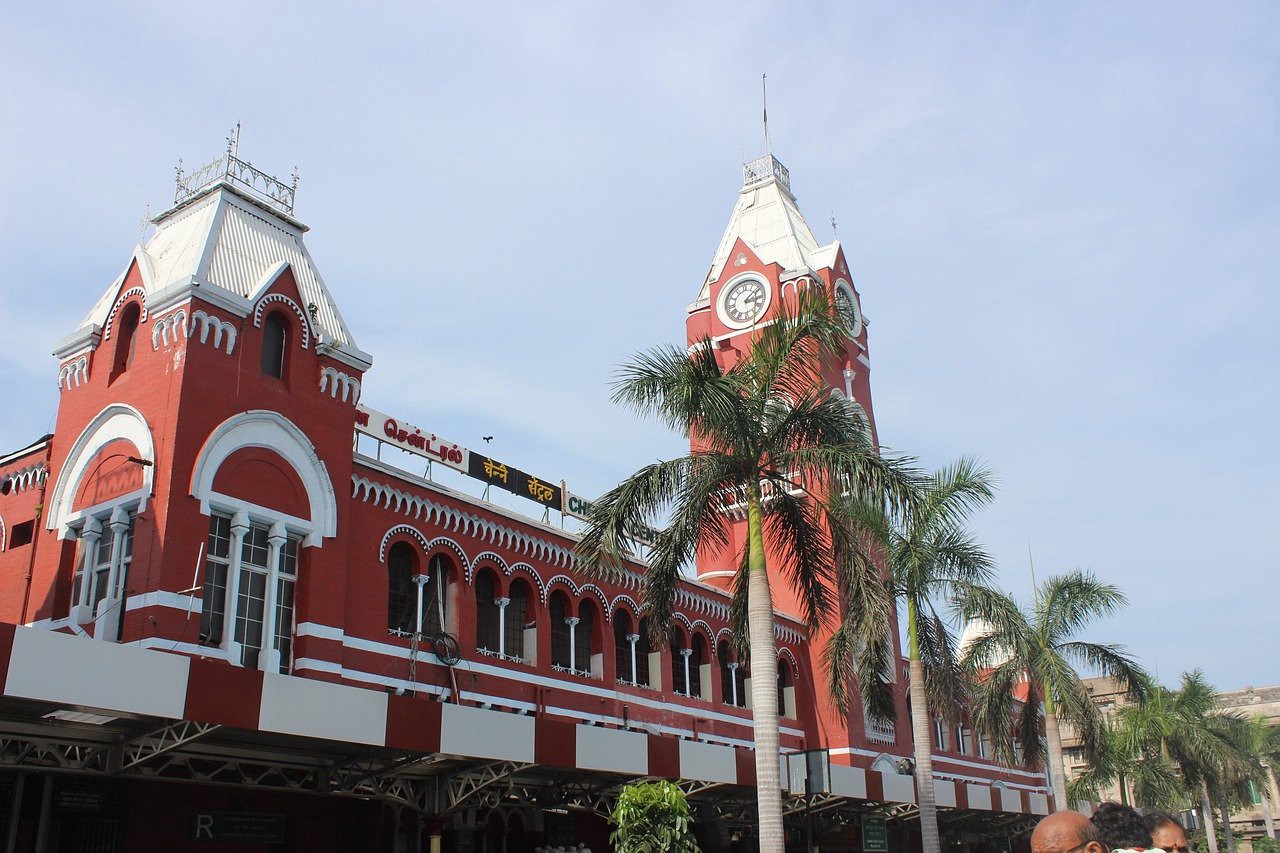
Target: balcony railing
x,y
231,169
878,730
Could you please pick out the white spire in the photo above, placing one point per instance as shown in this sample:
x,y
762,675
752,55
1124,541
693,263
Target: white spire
x,y
768,220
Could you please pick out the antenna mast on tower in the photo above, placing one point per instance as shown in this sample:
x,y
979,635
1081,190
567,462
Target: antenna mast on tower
x,y
764,100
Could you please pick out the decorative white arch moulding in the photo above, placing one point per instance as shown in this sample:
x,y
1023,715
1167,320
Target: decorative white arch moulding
x,y
164,331
526,569
270,431
281,298
332,379
74,373
209,323
706,629
4,535
136,290
499,563
885,763
407,529
784,652
723,633
683,620
635,609
445,541
117,421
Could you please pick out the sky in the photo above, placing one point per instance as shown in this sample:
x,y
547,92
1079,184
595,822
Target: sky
x,y
1063,221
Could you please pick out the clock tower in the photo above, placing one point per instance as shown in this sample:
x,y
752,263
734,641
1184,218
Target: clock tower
x,y
768,255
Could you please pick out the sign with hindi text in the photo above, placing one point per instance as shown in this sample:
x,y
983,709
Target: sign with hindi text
x,y
514,480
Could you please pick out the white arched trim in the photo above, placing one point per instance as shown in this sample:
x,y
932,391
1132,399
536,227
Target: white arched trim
x,y
885,763
271,431
407,530
304,323
3,535
786,654
117,421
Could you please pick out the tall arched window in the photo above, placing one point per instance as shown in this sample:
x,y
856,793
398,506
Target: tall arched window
x,y
643,649
275,334
437,601
733,676
487,626
402,597
679,681
622,646
583,637
697,659
126,339
559,611
517,616
786,690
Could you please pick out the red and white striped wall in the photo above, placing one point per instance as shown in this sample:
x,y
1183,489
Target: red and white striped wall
x,y
64,669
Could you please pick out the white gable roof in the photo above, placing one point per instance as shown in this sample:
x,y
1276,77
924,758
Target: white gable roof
x,y
768,220
222,238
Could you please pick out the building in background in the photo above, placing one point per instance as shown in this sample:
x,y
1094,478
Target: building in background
x,y
242,605
1247,823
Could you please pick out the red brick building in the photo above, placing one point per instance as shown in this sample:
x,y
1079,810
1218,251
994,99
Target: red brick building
x,y
238,619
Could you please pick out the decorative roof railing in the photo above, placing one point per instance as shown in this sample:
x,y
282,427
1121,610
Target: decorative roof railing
x,y
230,169
764,168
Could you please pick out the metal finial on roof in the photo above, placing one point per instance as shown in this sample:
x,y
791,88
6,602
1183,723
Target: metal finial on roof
x,y
231,170
834,232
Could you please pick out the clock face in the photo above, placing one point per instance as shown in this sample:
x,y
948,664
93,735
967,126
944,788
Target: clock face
x,y
847,309
744,300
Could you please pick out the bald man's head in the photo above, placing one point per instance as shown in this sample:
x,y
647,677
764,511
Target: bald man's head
x,y
1064,832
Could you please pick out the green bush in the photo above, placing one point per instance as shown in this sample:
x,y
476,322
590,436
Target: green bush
x,y
1266,845
652,817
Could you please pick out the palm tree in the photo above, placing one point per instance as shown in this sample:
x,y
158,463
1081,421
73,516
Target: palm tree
x,y
771,441
928,558
1037,647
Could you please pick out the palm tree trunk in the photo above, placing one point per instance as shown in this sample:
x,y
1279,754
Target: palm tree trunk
x,y
1057,770
1206,808
923,737
1273,796
764,684
1266,815
1226,828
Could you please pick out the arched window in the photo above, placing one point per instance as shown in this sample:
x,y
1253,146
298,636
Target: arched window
x,y
517,616
559,612
697,659
786,690
679,679
643,650
622,646
584,638
487,626
126,339
402,597
275,333
733,676
437,601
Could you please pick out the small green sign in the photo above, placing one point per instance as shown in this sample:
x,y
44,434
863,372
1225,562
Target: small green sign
x,y
875,835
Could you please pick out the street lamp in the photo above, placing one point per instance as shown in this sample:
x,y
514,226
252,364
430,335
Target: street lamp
x,y
809,774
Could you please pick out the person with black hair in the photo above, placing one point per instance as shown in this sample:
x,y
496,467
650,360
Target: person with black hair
x,y
1167,832
1121,828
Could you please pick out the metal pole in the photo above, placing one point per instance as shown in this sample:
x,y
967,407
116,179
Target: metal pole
x,y
11,844
42,830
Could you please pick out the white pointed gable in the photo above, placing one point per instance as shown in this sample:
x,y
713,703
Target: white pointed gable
x,y
224,239
768,220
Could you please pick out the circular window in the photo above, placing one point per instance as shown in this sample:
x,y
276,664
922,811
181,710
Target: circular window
x,y
847,307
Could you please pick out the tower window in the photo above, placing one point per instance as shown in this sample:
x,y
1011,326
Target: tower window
x,y
126,338
274,335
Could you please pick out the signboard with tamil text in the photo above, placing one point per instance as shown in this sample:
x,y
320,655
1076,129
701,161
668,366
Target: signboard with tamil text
x,y
875,835
410,438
